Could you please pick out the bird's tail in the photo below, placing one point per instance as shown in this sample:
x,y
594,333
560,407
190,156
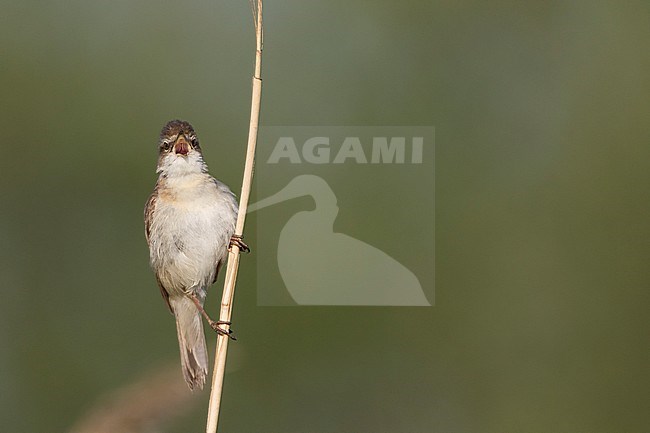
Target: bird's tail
x,y
191,340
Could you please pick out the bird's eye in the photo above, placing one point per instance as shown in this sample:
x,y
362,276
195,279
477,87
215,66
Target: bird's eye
x,y
166,144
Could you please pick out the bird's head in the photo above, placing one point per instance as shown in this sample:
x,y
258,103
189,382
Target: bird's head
x,y
178,149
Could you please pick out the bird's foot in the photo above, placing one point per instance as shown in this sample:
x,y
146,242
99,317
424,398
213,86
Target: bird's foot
x,y
214,324
219,330
237,240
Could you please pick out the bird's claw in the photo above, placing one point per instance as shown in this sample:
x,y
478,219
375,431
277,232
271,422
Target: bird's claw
x,y
237,240
219,330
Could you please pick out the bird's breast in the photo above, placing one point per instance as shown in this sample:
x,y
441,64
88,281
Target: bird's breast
x,y
191,229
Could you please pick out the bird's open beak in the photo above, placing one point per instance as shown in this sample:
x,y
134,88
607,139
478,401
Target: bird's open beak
x,y
181,146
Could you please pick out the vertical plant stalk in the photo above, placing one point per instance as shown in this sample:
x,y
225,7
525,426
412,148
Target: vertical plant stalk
x,y
225,312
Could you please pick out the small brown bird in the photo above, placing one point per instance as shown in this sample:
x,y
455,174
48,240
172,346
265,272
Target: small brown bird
x,y
189,225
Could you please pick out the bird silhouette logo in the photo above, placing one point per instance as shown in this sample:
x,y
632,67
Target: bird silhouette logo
x,y
337,269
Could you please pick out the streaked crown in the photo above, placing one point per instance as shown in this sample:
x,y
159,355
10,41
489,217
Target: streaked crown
x,y
173,130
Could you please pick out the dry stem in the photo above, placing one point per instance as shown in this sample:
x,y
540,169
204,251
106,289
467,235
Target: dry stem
x,y
233,257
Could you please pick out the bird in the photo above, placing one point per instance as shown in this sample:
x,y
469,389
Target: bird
x,y
189,226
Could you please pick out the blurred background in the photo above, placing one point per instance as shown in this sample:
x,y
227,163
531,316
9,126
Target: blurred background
x,y
541,112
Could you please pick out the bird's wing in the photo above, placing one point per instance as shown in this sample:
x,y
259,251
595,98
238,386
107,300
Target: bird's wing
x,y
231,200
148,213
149,210
164,294
216,274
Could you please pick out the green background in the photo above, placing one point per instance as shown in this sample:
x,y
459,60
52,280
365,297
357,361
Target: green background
x,y
542,238
356,210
